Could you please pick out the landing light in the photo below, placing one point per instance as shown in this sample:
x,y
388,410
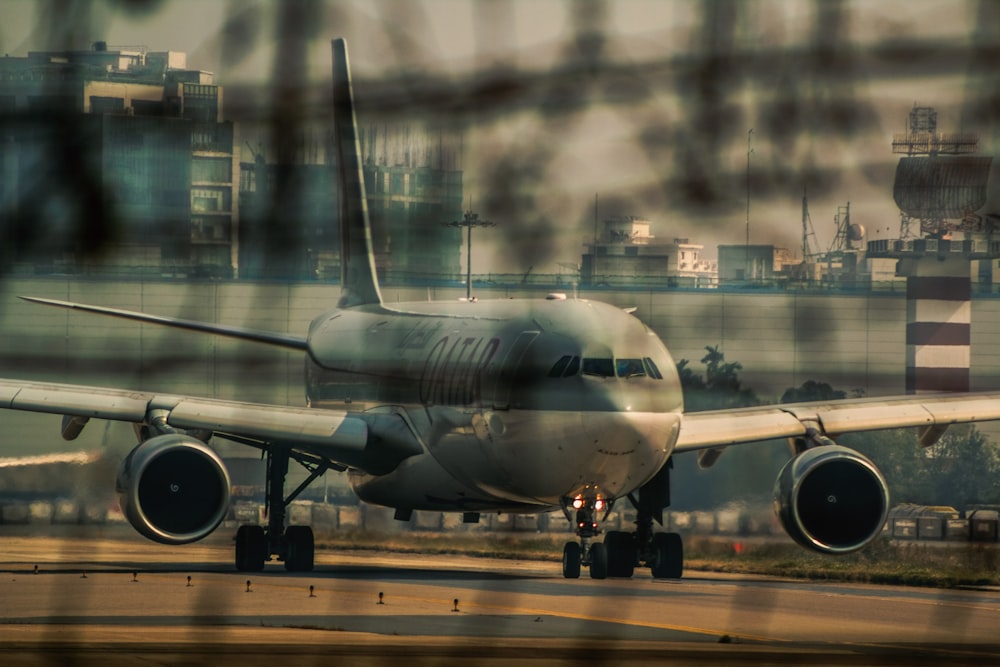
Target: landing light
x,y
599,504
579,502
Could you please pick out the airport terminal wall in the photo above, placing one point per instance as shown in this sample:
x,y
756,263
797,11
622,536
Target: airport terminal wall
x,y
851,340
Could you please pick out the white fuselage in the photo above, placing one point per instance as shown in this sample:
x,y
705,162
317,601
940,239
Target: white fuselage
x,y
518,405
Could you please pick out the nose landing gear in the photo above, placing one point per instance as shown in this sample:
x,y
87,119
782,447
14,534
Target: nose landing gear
x,y
622,552
586,553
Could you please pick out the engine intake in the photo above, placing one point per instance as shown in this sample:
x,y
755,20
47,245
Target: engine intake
x,y
831,499
173,489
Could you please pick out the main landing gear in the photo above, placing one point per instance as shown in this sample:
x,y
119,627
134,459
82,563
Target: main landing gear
x,y
294,545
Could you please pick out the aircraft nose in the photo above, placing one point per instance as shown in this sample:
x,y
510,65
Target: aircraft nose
x,y
552,458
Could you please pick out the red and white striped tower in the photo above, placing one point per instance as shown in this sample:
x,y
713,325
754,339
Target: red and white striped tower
x,y
938,323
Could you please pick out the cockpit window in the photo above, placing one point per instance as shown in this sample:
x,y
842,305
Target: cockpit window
x,y
599,367
560,366
627,368
608,368
567,366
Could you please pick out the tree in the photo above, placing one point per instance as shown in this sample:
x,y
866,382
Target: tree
x,y
743,473
962,468
811,390
721,386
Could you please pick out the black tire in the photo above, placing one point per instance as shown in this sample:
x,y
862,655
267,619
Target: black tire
x,y
598,561
301,549
621,553
251,548
571,560
668,556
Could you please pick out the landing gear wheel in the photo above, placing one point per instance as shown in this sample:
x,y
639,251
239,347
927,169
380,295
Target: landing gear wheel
x,y
300,549
251,548
571,560
668,556
598,561
621,553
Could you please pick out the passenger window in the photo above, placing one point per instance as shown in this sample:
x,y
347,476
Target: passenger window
x,y
627,368
651,369
560,367
599,367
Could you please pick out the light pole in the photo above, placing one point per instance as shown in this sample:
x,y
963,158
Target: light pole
x,y
469,220
746,247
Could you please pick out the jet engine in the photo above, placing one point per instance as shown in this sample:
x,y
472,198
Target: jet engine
x,y
831,499
173,489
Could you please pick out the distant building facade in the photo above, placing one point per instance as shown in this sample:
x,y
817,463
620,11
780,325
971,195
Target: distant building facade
x,y
116,160
288,231
627,253
413,191
414,187
753,263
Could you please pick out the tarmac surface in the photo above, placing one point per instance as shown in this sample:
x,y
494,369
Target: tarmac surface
x,y
120,600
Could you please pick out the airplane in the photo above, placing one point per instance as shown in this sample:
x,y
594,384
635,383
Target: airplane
x,y
479,406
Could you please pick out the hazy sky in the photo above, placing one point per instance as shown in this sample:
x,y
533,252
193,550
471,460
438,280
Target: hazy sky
x,y
647,103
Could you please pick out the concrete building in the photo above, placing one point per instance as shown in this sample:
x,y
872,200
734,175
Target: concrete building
x,y
297,238
627,254
753,263
414,188
413,192
410,208
116,160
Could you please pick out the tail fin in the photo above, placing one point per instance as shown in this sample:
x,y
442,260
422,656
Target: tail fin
x,y
359,284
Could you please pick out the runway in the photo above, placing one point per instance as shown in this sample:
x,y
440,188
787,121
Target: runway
x,y
121,600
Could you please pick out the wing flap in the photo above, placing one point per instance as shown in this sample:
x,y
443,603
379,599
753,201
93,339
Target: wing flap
x,y
337,435
953,410
718,428
847,419
59,399
300,425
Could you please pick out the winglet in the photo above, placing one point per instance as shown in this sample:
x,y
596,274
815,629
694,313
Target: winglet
x,y
359,284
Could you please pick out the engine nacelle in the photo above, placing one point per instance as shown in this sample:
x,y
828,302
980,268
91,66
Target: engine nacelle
x,y
831,499
173,489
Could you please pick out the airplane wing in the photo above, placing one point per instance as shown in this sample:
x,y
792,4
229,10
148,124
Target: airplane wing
x,y
933,412
281,340
365,441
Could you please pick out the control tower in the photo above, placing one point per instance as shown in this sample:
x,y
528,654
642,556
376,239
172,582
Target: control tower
x,y
940,189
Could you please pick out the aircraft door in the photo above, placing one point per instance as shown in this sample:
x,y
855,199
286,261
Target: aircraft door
x,y
508,370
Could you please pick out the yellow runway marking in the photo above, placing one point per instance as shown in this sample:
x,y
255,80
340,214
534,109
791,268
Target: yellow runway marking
x,y
445,605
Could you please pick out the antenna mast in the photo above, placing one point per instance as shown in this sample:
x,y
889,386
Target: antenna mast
x,y
807,228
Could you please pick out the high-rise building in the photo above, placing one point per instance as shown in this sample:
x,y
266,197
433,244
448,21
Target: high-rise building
x,y
414,190
116,159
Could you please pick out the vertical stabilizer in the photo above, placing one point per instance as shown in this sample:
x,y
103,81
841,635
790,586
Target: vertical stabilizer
x,y
359,283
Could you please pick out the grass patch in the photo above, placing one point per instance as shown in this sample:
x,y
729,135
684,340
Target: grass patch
x,y
940,565
513,546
